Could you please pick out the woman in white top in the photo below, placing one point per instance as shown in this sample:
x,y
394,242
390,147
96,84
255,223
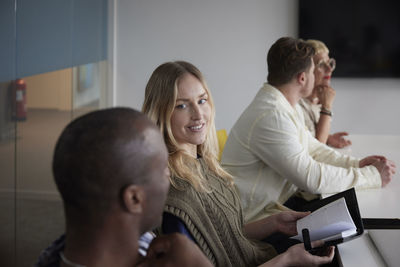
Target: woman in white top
x,y
317,107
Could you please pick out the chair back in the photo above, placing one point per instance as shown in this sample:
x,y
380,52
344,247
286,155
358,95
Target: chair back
x,y
222,136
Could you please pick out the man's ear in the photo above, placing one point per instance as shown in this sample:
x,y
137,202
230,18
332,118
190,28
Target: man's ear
x,y
301,78
133,198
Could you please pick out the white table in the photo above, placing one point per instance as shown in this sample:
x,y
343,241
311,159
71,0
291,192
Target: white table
x,y
374,203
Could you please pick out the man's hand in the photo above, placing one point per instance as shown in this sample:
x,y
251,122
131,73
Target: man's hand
x,y
370,160
174,250
337,140
385,167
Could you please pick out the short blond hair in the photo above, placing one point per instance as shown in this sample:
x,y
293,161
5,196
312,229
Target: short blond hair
x,y
160,99
318,46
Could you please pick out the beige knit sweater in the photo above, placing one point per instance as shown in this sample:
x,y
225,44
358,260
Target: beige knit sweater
x,y
215,220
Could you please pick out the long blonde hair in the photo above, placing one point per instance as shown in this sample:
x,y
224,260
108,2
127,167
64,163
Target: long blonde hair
x,y
159,103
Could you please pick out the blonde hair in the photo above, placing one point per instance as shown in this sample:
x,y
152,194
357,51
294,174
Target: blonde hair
x,y
318,46
160,100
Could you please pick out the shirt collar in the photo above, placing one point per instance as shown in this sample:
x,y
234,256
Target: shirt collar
x,y
279,96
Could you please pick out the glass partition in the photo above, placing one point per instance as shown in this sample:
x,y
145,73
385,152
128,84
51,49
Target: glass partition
x,y
53,68
7,181
7,133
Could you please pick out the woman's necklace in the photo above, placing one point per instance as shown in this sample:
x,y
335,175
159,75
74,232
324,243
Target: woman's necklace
x,y
68,262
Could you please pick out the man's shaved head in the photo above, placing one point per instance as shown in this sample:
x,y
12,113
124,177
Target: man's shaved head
x,y
101,153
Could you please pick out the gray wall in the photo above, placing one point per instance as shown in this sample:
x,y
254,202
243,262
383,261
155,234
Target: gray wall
x,y
228,41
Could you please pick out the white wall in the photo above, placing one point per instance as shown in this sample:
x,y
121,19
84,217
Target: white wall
x,y
367,106
228,41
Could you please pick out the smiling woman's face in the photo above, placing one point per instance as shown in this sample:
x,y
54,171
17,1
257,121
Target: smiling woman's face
x,y
191,116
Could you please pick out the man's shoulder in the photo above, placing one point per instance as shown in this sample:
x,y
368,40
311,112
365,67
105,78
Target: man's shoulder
x,y
259,108
50,257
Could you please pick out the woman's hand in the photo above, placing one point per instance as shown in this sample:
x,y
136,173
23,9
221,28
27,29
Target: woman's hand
x,y
285,221
337,140
326,95
298,256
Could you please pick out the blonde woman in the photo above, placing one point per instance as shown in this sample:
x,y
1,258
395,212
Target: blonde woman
x,y
317,107
202,202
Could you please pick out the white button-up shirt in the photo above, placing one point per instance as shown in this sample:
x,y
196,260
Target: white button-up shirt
x,y
271,155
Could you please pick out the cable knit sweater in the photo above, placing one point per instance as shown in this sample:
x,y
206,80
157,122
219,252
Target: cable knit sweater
x,y
215,221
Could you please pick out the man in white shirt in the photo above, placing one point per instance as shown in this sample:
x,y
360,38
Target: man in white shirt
x,y
272,155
